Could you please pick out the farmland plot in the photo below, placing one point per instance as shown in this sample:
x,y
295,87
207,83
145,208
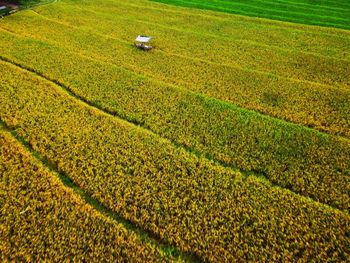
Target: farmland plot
x,y
212,148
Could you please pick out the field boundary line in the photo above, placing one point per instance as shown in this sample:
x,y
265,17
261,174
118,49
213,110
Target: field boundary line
x,y
189,150
147,237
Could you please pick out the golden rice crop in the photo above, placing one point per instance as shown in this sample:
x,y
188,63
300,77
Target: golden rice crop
x,y
313,104
248,55
193,203
289,36
42,220
291,156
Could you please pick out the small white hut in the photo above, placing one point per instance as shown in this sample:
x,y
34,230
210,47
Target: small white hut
x,y
141,42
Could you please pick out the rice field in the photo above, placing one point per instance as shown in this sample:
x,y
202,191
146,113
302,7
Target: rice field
x,y
229,141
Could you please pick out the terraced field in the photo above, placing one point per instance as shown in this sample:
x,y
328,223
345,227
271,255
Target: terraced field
x,y
229,141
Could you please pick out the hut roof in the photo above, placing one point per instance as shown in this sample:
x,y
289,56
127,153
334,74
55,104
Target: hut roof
x,y
143,39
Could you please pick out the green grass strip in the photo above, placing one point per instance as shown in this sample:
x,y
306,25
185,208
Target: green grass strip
x,y
272,10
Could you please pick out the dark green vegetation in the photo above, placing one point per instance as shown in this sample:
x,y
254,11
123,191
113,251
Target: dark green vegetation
x,y
332,13
4,11
31,3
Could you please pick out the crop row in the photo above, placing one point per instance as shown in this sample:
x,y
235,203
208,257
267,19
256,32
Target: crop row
x,y
294,157
199,206
323,107
42,220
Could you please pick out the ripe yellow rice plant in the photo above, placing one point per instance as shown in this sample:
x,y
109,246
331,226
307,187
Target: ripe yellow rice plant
x,y
40,219
292,62
289,36
202,207
291,156
308,89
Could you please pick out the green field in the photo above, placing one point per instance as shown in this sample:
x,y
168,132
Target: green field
x,y
229,140
332,13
